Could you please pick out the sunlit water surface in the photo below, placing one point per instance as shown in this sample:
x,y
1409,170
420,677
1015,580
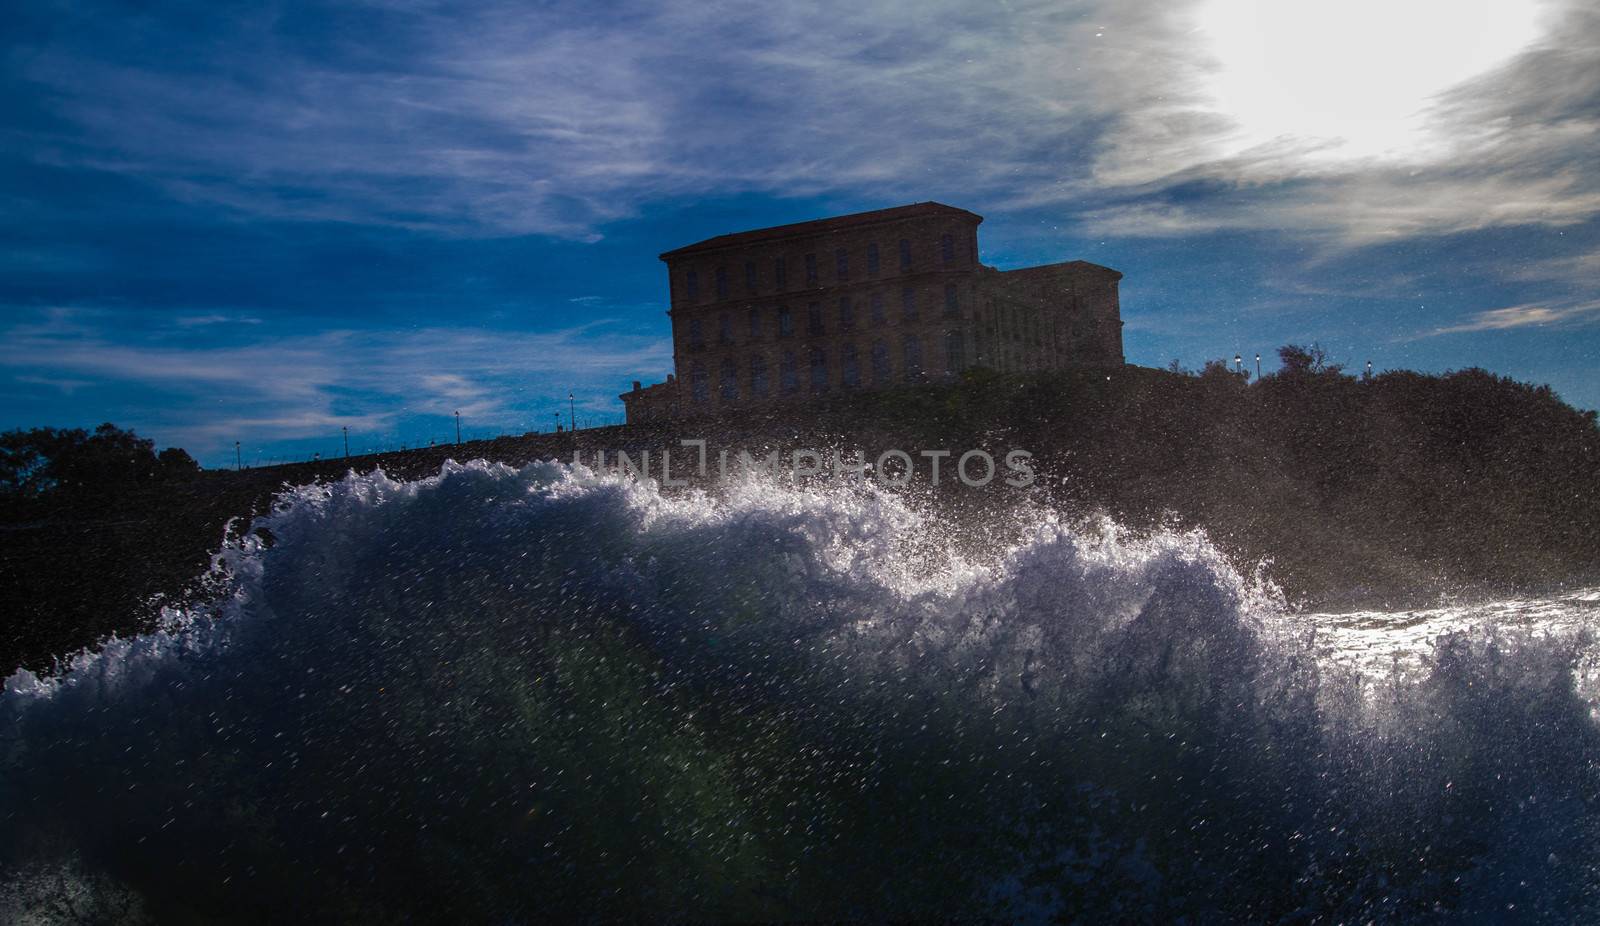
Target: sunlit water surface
x,y
1376,641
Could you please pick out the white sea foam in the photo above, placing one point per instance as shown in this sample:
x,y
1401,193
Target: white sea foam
x,y
507,695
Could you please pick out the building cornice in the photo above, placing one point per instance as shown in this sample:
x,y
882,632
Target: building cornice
x,y
820,227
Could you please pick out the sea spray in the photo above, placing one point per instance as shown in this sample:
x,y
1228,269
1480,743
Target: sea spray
x,y
511,696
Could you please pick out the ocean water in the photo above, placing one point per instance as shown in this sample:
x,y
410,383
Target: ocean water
x,y
1378,641
517,696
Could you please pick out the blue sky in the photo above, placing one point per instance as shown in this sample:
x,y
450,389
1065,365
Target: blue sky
x,y
266,222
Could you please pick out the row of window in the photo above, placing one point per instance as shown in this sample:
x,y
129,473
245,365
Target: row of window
x,y
783,319
841,269
1008,323
753,377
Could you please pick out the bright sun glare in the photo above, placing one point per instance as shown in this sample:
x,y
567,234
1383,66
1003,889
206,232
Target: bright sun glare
x,y
1355,74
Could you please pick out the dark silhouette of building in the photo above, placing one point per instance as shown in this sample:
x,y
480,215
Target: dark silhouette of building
x,y
866,301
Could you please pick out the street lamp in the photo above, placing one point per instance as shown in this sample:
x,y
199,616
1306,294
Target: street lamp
x,y
572,410
1238,364
346,430
1258,366
458,427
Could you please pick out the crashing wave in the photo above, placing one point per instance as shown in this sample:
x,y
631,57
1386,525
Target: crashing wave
x,y
503,695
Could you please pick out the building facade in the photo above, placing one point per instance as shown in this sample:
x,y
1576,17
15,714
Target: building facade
x,y
866,301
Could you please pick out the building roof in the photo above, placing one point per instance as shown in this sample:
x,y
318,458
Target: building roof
x,y
1075,266
821,227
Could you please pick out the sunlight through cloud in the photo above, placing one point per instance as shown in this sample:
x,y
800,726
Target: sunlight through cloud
x,y
1352,79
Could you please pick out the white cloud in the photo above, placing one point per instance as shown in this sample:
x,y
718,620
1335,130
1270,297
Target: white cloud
x,y
1358,210
1524,316
501,118
278,387
214,318
1581,269
64,386
1355,78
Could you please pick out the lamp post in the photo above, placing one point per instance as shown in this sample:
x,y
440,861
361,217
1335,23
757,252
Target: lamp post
x,y
572,412
238,460
1258,366
1238,364
346,430
1369,369
458,427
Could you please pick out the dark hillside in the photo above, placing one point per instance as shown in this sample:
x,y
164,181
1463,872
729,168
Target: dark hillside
x,y
1379,491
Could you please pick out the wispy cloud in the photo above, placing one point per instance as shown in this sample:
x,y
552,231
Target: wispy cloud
x,y
323,168
65,386
1581,269
1524,316
277,387
1381,206
505,118
214,318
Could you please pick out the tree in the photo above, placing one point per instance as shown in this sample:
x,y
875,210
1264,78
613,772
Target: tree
x,y
23,464
1219,371
1306,361
75,463
175,461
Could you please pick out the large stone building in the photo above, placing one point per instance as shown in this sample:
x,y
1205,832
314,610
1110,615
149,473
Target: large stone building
x,y
866,301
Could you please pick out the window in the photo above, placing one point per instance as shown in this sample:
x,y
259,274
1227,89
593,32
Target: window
x,y
952,302
876,310
696,336
947,249
788,375
758,375
814,318
819,370
785,322
780,275
698,388
722,282
811,270
955,352
849,368
725,328
880,362
872,260
691,283
905,255
841,265
908,304
847,314
755,323
750,277
911,348
730,380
